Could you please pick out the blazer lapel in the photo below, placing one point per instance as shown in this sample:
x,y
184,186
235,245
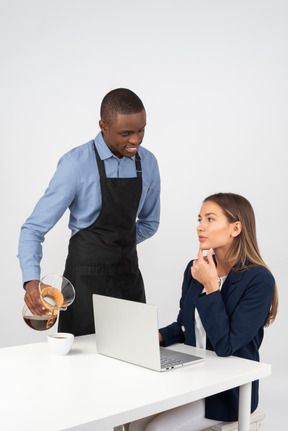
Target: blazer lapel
x,y
232,290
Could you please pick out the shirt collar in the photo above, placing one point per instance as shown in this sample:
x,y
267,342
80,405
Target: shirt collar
x,y
103,150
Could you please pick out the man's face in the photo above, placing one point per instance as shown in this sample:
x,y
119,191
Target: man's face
x,y
125,133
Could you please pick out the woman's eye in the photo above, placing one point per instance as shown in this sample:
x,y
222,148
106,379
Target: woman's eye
x,y
210,219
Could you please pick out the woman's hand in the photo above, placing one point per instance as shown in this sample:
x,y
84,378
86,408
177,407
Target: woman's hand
x,y
204,270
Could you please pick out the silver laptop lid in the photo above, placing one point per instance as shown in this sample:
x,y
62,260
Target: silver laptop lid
x,y
127,330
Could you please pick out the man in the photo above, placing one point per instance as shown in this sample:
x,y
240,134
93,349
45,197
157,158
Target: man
x,y
107,184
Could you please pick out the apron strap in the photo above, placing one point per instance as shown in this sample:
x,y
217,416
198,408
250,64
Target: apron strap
x,y
100,164
138,165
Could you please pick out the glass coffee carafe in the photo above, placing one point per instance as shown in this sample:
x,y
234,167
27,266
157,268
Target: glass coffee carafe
x,y
56,293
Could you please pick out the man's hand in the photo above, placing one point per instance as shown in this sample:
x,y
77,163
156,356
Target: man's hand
x,y
204,270
32,298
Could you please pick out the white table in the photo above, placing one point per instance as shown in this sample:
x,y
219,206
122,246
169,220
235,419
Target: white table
x,y
88,391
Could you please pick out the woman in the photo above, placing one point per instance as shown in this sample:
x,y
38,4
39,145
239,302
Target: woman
x,y
227,300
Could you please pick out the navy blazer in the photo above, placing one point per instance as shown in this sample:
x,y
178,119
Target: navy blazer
x,y
234,320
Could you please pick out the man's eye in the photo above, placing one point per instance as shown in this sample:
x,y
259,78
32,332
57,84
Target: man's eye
x,y
125,134
210,219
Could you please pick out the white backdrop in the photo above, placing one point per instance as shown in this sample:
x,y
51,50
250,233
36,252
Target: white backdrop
x,y
213,78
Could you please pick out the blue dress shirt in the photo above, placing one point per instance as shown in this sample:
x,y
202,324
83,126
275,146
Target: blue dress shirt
x,y
76,185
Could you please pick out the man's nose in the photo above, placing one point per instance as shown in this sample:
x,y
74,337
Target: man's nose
x,y
135,139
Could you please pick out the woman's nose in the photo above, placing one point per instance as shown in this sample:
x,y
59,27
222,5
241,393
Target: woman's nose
x,y
199,227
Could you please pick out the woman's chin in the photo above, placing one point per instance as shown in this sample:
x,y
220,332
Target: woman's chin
x,y
204,247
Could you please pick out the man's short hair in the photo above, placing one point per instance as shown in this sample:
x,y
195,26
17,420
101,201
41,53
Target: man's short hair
x,y
120,101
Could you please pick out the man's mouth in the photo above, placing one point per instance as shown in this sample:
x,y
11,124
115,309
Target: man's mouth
x,y
131,149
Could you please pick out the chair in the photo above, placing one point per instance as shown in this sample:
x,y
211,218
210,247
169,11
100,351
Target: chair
x,y
256,424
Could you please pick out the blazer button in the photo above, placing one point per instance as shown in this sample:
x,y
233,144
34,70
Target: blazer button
x,y
183,328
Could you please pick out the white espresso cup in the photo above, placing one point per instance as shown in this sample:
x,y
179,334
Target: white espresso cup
x,y
60,343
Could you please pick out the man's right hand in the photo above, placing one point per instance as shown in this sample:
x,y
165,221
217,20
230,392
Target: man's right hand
x,y
32,298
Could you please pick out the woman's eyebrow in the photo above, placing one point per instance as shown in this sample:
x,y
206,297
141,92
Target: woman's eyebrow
x,y
207,215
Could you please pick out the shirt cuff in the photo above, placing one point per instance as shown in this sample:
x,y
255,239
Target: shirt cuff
x,y
32,273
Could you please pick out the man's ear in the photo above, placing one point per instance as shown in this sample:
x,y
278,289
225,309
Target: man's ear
x,y
103,126
237,228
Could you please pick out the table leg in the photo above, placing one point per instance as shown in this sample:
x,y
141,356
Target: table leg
x,y
244,407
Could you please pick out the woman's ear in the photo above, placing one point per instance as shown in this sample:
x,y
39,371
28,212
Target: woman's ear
x,y
237,228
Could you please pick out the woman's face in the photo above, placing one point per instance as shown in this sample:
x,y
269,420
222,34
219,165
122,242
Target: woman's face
x,y
214,230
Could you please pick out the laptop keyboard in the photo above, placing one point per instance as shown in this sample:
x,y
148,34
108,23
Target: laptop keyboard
x,y
168,362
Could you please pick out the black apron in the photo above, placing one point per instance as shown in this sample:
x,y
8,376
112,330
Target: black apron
x,y
102,258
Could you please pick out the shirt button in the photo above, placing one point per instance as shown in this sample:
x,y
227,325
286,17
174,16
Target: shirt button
x,y
183,328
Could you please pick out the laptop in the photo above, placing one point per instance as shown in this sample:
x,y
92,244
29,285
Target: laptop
x,y
128,331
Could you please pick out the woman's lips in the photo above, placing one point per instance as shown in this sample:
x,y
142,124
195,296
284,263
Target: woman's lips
x,y
202,238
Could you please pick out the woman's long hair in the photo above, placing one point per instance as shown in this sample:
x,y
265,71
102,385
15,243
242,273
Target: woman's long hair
x,y
244,251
